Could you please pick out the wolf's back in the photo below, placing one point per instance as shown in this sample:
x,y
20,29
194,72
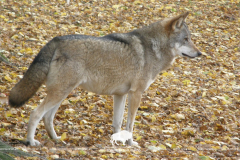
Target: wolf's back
x,y
34,77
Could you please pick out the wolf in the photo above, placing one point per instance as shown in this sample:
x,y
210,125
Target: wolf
x,y
117,64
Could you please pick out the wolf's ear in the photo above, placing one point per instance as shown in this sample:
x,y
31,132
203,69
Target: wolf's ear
x,y
177,22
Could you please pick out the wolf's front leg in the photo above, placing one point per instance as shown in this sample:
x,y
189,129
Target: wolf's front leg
x,y
133,104
118,110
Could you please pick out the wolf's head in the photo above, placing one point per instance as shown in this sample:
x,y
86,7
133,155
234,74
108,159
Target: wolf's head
x,y
180,37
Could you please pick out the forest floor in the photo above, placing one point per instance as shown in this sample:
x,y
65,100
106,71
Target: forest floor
x,y
191,111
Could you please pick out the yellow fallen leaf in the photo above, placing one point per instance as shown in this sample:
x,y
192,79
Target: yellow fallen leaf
x,y
175,80
162,147
65,102
137,2
83,134
22,51
216,147
202,143
153,141
88,10
82,100
29,51
2,87
102,150
8,78
81,152
13,134
64,136
153,119
168,7
100,130
209,142
2,129
165,74
186,82
144,107
116,6
64,14
104,156
137,117
173,146
70,110
138,138
1,16
188,132
91,107
129,18
32,106
24,68
204,94
192,148
224,148
168,98
13,74
21,33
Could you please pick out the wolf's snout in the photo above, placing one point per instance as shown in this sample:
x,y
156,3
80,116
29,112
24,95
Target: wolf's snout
x,y
199,53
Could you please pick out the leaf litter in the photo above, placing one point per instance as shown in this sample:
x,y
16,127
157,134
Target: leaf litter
x,y
192,110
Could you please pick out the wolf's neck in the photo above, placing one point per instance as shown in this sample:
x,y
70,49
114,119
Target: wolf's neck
x,y
163,60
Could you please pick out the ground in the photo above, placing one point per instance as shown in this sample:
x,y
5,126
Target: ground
x,y
191,111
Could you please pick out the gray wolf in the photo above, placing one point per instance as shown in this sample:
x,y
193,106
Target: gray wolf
x,y
117,64
121,136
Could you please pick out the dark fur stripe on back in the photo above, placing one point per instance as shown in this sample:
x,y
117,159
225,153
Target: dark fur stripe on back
x,y
117,38
73,36
112,37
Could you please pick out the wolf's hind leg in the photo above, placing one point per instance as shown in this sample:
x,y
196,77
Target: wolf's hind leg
x,y
48,108
118,110
36,116
48,121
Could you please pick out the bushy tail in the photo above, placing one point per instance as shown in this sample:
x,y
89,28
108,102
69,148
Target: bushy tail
x,y
34,77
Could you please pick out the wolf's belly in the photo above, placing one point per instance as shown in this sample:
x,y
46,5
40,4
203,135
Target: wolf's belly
x,y
106,88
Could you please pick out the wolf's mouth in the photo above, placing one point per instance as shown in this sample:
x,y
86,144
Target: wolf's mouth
x,y
187,55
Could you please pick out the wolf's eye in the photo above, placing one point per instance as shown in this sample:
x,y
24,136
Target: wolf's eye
x,y
186,39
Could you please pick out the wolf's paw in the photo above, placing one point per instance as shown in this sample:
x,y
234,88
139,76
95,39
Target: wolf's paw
x,y
57,138
130,142
134,143
33,142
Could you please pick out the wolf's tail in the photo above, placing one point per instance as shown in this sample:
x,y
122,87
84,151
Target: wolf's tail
x,y
34,77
